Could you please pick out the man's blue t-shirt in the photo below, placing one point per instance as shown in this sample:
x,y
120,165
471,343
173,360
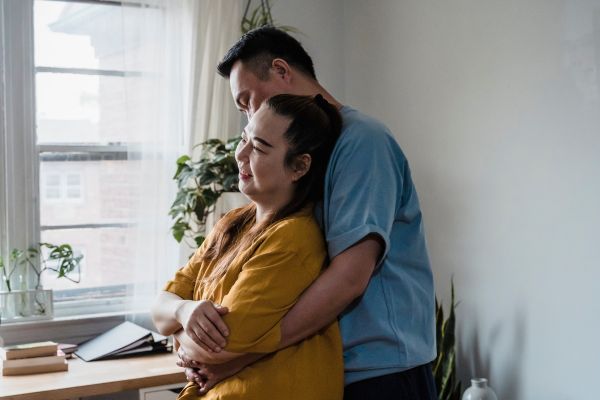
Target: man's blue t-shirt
x,y
369,190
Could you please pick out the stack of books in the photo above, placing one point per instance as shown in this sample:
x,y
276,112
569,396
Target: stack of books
x,y
32,358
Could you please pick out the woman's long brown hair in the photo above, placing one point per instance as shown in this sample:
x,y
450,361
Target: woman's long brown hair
x,y
314,128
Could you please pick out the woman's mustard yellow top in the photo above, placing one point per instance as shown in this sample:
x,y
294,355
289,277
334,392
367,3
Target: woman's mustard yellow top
x,y
260,286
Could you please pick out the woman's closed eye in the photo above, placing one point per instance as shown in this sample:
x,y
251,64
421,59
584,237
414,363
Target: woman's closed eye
x,y
254,144
257,148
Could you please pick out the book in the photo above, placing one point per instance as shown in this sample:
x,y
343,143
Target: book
x,y
35,361
159,339
28,350
67,349
124,339
149,349
35,369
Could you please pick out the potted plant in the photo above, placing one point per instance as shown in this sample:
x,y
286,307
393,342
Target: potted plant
x,y
444,366
17,300
201,183
260,16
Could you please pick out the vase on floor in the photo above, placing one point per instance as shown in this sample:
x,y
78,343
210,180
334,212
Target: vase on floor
x,y
479,390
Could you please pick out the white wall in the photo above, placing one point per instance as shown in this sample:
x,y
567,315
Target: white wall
x,y
321,25
497,106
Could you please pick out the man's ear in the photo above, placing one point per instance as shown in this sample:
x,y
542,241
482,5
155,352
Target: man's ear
x,y
301,166
281,69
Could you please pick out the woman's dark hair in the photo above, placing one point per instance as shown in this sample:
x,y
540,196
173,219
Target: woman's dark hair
x,y
314,129
260,46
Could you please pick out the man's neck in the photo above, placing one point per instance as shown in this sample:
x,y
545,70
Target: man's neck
x,y
311,87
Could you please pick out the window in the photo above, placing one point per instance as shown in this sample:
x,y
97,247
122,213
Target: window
x,y
93,115
83,65
86,185
62,187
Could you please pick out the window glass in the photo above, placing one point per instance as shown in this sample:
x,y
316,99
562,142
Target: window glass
x,y
78,35
76,108
105,262
88,182
109,188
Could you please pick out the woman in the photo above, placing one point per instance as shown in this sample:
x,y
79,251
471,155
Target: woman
x,y
260,258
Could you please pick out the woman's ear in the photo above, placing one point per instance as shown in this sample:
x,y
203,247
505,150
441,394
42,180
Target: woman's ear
x,y
301,166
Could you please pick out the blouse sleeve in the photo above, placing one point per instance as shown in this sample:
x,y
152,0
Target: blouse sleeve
x,y
269,284
184,281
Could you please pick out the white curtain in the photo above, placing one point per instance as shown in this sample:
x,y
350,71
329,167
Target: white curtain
x,y
175,99
216,26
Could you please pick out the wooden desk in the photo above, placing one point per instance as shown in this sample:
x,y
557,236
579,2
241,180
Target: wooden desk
x,y
93,378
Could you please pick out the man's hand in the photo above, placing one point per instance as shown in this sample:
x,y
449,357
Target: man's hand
x,y
211,374
202,322
192,375
206,376
184,361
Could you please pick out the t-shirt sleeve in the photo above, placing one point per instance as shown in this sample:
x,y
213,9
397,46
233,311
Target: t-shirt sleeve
x,y
364,189
269,284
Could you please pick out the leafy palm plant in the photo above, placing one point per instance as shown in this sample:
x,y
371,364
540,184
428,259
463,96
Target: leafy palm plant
x,y
444,366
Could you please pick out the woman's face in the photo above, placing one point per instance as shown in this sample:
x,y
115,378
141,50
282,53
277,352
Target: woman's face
x,y
264,177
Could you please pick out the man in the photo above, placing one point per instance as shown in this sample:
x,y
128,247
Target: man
x,y
379,281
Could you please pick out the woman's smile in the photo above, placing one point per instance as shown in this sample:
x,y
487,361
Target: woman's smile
x,y
244,175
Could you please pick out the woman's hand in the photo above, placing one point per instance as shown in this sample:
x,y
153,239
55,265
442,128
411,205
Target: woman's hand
x,y
202,322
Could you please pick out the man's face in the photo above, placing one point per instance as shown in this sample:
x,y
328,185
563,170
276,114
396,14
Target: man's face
x,y
249,91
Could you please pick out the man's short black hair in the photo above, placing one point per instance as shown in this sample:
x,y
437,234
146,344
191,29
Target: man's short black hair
x,y
260,46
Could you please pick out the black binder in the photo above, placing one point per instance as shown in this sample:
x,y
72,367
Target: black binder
x,y
123,340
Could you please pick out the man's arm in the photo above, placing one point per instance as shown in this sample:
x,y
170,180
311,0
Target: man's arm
x,y
342,282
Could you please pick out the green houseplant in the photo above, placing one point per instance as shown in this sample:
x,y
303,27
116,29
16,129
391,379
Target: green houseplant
x,y
200,183
260,16
444,366
20,301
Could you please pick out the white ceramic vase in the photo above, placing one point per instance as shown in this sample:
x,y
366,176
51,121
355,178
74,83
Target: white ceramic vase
x,y
479,390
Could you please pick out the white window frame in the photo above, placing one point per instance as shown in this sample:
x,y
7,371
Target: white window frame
x,y
20,156
19,183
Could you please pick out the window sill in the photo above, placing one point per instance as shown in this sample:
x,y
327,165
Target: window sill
x,y
70,329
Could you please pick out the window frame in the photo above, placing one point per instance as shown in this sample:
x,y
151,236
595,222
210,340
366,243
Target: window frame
x,y
20,185
20,155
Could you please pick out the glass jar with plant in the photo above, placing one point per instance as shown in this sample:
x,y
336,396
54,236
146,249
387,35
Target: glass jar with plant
x,y
19,298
